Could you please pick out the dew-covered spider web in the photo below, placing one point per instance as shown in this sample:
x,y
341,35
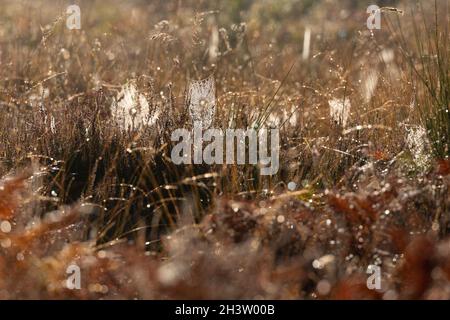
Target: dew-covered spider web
x,y
201,99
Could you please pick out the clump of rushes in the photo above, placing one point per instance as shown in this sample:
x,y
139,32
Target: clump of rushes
x,y
429,59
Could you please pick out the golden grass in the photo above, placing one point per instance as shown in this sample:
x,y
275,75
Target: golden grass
x,y
78,188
